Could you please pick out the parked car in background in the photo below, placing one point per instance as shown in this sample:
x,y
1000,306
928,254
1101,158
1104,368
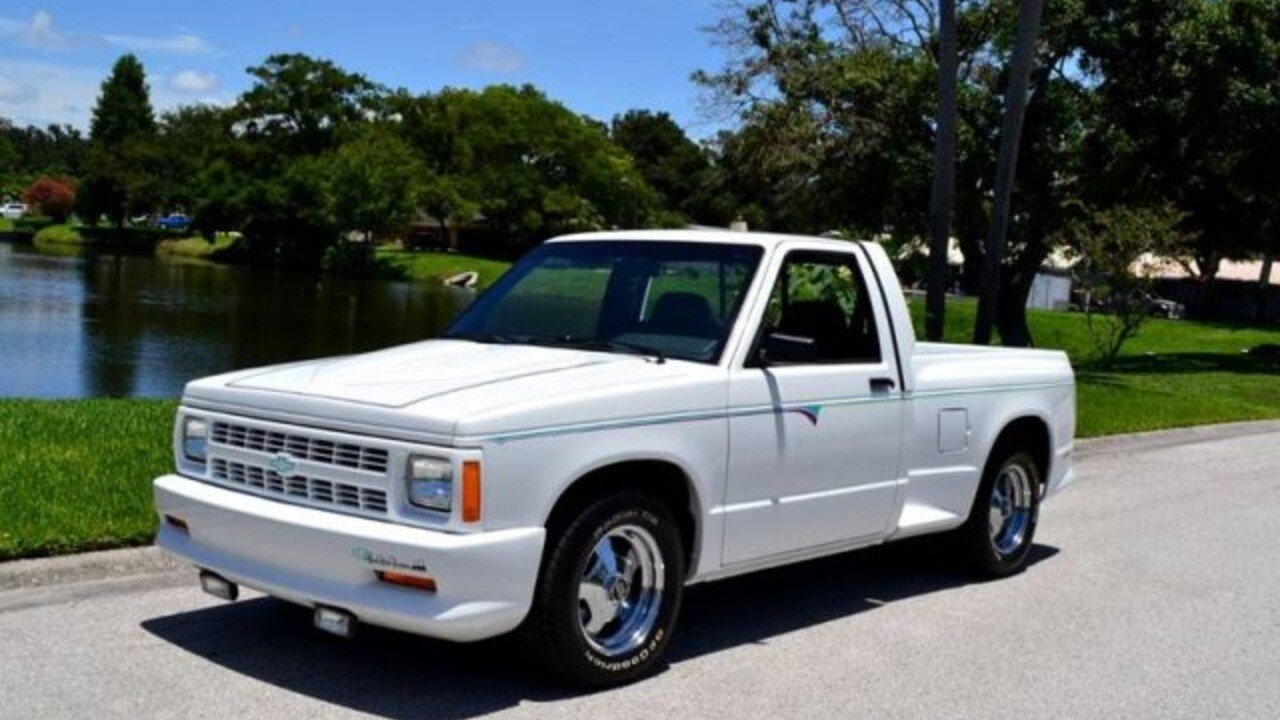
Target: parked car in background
x,y
621,415
1164,308
173,221
13,210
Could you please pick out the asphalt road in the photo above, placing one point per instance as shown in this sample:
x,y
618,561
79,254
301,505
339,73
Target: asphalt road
x,y
1154,592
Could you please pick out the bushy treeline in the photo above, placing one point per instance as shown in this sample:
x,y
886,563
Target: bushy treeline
x,y
311,153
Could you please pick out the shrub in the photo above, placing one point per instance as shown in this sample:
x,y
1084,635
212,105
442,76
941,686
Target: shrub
x,y
1118,251
52,197
59,235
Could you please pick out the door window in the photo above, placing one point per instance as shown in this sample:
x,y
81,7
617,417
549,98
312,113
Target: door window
x,y
819,312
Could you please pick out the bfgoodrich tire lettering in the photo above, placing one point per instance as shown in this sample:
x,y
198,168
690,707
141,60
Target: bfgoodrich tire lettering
x,y
609,592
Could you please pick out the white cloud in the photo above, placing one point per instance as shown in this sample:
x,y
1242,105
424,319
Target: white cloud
x,y
13,91
181,43
492,57
54,93
194,81
41,33
39,93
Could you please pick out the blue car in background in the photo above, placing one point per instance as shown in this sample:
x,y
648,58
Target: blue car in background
x,y
173,221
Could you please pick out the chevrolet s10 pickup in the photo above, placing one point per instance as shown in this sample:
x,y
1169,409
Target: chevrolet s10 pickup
x,y
621,415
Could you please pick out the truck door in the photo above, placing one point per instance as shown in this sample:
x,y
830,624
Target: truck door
x,y
815,413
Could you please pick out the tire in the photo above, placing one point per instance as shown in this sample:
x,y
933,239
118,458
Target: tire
x,y
616,629
1000,530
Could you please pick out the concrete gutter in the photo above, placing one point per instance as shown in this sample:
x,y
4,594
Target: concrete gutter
x,y
149,566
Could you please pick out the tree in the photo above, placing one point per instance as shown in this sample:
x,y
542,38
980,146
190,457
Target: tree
x,y
528,165
51,197
944,172
1015,106
271,180
1117,250
118,164
374,182
835,102
1188,87
666,158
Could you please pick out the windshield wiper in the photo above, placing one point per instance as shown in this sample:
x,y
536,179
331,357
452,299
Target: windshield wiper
x,y
613,345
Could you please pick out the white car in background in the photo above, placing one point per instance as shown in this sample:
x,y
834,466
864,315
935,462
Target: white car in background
x,y
13,210
621,415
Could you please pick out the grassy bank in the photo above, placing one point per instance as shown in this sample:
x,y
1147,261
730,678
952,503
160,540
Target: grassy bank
x,y
196,246
60,234
436,266
76,474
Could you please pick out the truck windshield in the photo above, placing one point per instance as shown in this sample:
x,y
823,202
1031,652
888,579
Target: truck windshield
x,y
664,299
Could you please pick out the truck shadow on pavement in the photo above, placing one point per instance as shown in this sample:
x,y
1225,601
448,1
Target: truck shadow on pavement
x,y
396,675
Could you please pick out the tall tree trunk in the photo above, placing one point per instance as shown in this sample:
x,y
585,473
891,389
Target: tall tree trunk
x,y
944,173
1015,106
1262,308
1011,306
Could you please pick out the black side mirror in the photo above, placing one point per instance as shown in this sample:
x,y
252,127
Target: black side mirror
x,y
782,349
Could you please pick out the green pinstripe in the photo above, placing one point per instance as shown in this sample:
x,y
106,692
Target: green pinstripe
x,y
748,410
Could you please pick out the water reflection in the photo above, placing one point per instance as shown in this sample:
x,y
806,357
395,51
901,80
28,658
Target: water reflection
x,y
116,326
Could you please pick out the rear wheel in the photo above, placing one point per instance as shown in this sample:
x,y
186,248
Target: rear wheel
x,y
609,592
1001,527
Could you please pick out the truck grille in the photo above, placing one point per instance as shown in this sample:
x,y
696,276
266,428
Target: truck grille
x,y
268,482
301,447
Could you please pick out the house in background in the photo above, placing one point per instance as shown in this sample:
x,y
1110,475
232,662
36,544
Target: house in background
x,y
1050,290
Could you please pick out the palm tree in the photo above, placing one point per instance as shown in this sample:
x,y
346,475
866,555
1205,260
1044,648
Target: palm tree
x,y
944,172
1015,106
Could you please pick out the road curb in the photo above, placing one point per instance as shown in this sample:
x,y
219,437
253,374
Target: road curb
x,y
1154,440
84,567
112,564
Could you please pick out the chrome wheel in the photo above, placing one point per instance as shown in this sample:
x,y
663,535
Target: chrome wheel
x,y
1012,502
620,592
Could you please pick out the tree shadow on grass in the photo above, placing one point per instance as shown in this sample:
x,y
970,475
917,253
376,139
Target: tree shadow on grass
x,y
1183,363
396,675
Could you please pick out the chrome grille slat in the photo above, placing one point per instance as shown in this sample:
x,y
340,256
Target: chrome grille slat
x,y
265,481
301,446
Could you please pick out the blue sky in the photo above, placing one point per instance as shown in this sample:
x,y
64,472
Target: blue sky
x,y
599,57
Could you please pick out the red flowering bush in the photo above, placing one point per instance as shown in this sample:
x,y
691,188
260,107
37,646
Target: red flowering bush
x,y
51,198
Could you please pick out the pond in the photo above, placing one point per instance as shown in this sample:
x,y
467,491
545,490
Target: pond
x,y
130,326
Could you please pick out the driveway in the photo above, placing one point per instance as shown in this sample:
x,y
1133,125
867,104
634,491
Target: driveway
x,y
1154,591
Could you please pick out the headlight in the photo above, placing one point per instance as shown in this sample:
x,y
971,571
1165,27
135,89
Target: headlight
x,y
195,435
430,482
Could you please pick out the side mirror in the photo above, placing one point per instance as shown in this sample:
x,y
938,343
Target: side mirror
x,y
782,349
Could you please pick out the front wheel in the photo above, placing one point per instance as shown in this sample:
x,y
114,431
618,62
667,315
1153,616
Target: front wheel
x,y
998,535
609,592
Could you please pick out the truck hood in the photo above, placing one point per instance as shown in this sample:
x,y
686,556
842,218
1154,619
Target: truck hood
x,y
440,390
406,375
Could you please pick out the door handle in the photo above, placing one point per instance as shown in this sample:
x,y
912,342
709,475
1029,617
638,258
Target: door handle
x,y
882,384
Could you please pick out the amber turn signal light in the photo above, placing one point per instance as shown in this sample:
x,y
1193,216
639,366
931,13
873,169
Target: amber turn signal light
x,y
471,491
417,582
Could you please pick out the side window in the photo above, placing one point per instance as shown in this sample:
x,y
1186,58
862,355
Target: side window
x,y
820,312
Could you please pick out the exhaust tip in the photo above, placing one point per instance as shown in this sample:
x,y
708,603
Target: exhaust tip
x,y
218,586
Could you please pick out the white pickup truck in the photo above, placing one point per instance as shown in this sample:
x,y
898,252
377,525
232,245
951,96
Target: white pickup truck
x,y
623,414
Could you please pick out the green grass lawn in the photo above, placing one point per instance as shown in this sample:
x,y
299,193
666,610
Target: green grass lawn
x,y
77,474
435,266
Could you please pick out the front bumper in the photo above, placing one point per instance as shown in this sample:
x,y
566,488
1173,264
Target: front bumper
x,y
313,557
